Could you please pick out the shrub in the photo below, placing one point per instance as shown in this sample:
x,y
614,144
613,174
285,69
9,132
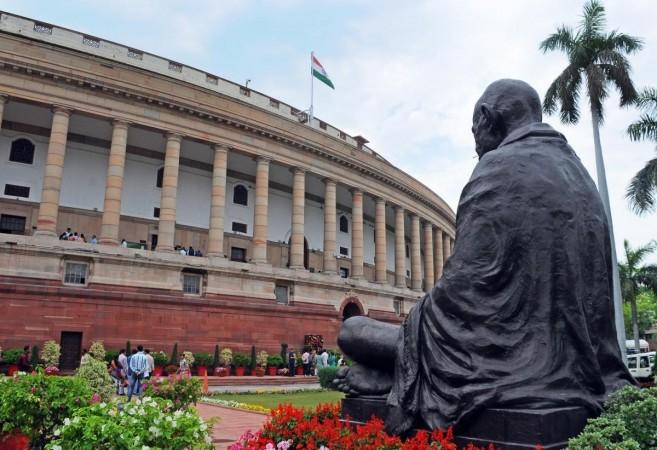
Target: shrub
x,y
160,358
226,357
12,355
261,358
326,376
628,422
253,358
202,359
51,353
34,357
241,360
37,404
174,355
284,352
94,372
183,392
97,350
275,361
189,357
215,358
149,423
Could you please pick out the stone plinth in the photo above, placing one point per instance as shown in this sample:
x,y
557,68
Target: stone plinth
x,y
507,429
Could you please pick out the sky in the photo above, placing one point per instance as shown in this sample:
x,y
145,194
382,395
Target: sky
x,y
407,74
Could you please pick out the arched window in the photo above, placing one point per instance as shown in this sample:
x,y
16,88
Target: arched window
x,y
344,224
22,151
240,195
160,177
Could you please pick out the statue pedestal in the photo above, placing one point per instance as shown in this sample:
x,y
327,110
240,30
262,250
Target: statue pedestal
x,y
507,429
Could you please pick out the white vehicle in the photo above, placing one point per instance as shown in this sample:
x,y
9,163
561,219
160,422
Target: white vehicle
x,y
641,365
643,345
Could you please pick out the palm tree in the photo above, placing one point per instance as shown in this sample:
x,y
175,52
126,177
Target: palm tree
x,y
643,187
635,278
596,60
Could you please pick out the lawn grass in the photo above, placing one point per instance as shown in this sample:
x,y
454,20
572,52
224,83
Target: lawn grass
x,y
302,399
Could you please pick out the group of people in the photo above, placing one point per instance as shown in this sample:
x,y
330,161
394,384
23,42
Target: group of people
x,y
69,235
128,371
313,361
189,251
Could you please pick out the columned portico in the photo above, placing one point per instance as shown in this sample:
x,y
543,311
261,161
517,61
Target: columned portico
x,y
428,257
109,230
357,234
416,264
52,178
167,224
330,263
381,275
298,218
438,254
447,248
218,201
400,248
260,219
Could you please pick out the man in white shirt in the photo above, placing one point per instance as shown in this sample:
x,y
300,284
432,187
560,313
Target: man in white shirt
x,y
305,359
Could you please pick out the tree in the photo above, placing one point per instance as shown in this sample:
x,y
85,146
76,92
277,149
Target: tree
x,y
635,277
596,61
643,187
646,308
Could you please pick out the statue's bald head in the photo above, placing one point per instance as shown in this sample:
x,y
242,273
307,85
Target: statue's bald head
x,y
504,106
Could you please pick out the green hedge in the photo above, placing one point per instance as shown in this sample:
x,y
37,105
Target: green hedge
x,y
326,376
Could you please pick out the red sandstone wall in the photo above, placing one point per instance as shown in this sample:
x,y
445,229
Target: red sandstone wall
x,y
33,311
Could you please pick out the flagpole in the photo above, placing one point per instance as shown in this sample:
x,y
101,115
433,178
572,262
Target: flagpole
x,y
310,117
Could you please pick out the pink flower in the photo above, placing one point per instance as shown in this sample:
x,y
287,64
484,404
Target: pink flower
x,y
94,399
269,446
284,445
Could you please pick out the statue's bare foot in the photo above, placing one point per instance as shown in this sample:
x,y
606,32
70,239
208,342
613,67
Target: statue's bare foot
x,y
362,380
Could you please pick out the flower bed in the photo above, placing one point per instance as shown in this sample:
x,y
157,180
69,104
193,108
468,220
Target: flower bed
x,y
237,405
293,428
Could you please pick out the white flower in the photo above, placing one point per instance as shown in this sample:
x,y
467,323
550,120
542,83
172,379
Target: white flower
x,y
323,448
203,427
56,447
67,421
102,404
145,447
154,430
57,432
76,419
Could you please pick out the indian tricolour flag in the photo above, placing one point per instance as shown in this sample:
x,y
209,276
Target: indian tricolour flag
x,y
319,72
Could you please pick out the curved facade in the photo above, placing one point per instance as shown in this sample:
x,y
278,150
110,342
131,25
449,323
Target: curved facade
x,y
298,223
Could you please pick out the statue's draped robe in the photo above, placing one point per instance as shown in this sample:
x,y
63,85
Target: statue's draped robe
x,y
523,314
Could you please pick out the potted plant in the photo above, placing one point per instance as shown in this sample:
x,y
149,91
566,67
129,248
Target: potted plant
x,y
161,359
50,356
298,370
225,360
261,362
11,358
273,363
202,361
241,361
170,369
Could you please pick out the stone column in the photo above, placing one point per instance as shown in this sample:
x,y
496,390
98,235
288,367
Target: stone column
x,y
380,269
298,218
428,257
52,178
330,263
438,254
447,251
400,248
109,228
416,264
356,233
167,223
3,101
218,202
261,211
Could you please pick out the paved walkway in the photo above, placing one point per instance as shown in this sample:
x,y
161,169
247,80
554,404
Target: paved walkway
x,y
232,423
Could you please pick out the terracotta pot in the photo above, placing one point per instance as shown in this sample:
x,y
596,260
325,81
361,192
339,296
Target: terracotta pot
x,y
157,371
202,371
260,372
271,371
239,371
13,368
298,370
221,372
14,441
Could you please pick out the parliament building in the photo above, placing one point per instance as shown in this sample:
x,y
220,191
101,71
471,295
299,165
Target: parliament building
x,y
295,225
